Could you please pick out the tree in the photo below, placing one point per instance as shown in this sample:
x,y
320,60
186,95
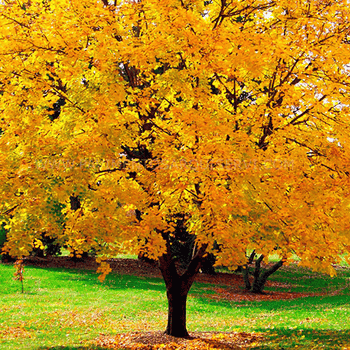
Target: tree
x,y
232,115
260,275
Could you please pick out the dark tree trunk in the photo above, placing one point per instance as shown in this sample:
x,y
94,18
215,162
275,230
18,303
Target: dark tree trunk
x,y
257,283
260,278
246,271
208,262
177,287
176,326
247,283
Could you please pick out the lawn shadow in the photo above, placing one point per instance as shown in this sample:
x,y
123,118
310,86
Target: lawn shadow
x,y
306,338
112,281
307,302
117,281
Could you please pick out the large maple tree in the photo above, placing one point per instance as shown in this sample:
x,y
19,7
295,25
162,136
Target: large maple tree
x,y
139,119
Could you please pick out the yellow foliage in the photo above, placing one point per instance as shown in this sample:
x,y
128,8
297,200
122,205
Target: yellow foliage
x,y
104,269
234,117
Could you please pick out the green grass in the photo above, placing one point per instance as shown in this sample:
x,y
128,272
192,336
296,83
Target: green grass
x,y
302,279
68,309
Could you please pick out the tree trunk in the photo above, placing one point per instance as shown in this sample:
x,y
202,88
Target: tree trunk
x,y
260,278
246,271
177,312
247,284
177,287
258,286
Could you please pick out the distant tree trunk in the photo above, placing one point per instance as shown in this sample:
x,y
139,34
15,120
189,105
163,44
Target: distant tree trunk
x,y
246,271
208,264
258,286
177,287
260,278
260,275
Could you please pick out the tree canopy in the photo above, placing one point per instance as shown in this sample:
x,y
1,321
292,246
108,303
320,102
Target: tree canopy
x,y
231,115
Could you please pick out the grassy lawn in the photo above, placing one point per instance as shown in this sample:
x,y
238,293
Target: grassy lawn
x,y
68,309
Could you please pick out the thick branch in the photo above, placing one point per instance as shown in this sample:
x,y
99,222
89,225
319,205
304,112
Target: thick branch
x,y
8,211
168,268
271,270
193,268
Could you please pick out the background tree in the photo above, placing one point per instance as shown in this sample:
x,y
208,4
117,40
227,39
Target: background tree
x,y
232,114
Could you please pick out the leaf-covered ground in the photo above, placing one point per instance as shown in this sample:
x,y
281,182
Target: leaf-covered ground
x,y
196,341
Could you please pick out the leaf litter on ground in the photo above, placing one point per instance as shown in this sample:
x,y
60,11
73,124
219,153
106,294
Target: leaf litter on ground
x,y
195,341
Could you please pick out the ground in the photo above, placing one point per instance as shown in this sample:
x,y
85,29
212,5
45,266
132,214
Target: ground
x,y
226,286
196,341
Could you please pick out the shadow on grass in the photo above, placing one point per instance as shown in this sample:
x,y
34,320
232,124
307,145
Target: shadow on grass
x,y
280,339
113,280
305,303
117,281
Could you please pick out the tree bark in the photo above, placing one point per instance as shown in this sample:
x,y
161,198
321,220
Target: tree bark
x,y
177,287
177,298
246,271
247,283
261,278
